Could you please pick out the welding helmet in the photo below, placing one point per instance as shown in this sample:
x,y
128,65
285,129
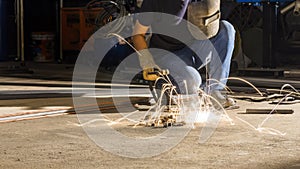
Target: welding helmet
x,y
205,14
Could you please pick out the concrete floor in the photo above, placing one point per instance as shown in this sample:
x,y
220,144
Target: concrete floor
x,y
60,142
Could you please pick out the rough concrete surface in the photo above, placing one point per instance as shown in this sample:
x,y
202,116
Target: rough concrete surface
x,y
57,142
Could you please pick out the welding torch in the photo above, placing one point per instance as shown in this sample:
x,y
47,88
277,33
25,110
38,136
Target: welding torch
x,y
153,74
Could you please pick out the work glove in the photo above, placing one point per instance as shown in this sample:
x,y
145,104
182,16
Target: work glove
x,y
147,63
146,59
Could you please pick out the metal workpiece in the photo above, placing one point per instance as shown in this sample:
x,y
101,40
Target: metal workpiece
x,y
297,8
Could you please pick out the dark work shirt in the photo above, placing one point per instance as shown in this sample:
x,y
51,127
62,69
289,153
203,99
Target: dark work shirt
x,y
172,7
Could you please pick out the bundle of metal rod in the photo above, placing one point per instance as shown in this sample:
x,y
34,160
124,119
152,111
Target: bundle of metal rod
x,y
104,105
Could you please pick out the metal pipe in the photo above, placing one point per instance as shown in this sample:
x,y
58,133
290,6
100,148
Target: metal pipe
x,y
287,8
22,30
32,116
297,8
17,3
60,31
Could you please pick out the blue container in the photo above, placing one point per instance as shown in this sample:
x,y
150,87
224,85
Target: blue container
x,y
3,29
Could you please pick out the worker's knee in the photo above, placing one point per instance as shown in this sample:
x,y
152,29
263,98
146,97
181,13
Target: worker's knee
x,y
187,81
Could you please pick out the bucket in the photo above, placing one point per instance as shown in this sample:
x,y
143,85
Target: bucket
x,y
43,46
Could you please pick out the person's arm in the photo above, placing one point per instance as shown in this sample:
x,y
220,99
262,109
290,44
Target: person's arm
x,y
138,38
145,57
139,42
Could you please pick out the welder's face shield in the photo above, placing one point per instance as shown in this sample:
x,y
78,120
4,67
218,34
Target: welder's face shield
x,y
205,14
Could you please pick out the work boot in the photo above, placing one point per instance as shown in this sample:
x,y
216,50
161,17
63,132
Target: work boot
x,y
226,102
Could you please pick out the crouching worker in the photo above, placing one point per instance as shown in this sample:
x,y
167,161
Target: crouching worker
x,y
184,59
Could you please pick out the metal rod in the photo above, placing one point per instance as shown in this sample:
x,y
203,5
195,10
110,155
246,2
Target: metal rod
x,y
60,31
18,29
268,111
22,30
31,116
287,8
297,8
269,37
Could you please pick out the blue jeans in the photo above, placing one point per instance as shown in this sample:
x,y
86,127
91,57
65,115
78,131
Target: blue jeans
x,y
184,68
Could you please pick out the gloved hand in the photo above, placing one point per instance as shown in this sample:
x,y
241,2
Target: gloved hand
x,y
147,63
146,59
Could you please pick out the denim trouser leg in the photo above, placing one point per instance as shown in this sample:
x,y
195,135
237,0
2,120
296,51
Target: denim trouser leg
x,y
182,73
184,64
219,49
224,44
